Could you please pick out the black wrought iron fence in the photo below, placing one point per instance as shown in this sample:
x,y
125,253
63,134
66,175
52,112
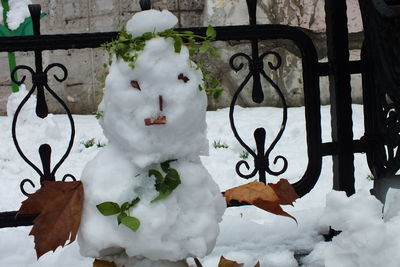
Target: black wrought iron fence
x,y
339,69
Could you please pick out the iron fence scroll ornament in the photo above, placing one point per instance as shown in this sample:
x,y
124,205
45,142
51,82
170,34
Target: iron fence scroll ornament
x,y
256,71
381,83
40,85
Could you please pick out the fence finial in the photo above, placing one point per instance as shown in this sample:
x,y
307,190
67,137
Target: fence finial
x,y
145,4
34,10
252,8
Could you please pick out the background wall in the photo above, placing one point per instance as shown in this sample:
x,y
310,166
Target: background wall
x,y
82,91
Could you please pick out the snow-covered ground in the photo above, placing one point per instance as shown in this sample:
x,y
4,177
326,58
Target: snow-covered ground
x,y
248,234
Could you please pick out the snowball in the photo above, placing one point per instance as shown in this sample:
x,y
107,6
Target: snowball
x,y
392,208
18,12
151,21
28,110
366,239
125,108
182,225
362,209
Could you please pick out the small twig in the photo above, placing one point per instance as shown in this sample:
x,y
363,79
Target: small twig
x,y
198,263
153,121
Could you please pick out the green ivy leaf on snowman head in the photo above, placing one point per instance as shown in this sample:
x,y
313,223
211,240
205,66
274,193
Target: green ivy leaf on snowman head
x,y
127,47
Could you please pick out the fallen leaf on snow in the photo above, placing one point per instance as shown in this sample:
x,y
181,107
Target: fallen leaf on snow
x,y
101,263
267,197
223,262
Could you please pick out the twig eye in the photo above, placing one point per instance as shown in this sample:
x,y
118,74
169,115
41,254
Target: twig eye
x,y
135,84
184,78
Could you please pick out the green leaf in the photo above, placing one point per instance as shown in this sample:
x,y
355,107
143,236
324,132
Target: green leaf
x,y
214,82
172,179
204,47
217,92
162,196
178,42
147,36
211,33
125,206
109,208
131,222
157,175
214,52
163,187
121,216
121,49
165,166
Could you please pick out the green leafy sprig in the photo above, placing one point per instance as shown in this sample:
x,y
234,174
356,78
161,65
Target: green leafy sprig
x,y
112,208
99,114
164,184
127,47
219,144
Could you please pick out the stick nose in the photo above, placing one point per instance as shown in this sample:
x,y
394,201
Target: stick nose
x,y
159,119
160,102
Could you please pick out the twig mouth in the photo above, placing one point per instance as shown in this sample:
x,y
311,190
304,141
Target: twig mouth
x,y
155,121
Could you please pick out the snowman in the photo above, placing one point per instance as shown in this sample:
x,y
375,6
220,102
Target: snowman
x,y
160,205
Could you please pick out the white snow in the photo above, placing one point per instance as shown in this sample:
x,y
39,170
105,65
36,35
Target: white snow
x,y
15,99
18,12
151,21
247,233
186,223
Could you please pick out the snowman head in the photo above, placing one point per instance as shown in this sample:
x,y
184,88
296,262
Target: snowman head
x,y
155,112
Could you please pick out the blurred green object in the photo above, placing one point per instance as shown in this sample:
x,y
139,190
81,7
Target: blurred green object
x,y
24,29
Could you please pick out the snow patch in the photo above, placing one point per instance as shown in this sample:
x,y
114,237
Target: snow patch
x,y
18,12
151,21
28,110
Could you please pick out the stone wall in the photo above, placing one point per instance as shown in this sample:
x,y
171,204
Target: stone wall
x,y
82,91
307,14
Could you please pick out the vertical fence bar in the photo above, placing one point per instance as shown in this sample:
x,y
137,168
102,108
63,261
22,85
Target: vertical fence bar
x,y
340,95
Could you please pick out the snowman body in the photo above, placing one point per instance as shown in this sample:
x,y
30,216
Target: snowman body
x,y
152,113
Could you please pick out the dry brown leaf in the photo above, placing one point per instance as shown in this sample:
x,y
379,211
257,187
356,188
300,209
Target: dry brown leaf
x,y
223,262
267,197
101,263
285,192
59,205
257,264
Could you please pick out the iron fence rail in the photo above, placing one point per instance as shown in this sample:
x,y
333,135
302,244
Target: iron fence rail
x,y
258,66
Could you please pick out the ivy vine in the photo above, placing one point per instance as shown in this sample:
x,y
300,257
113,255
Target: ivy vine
x,y
128,48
